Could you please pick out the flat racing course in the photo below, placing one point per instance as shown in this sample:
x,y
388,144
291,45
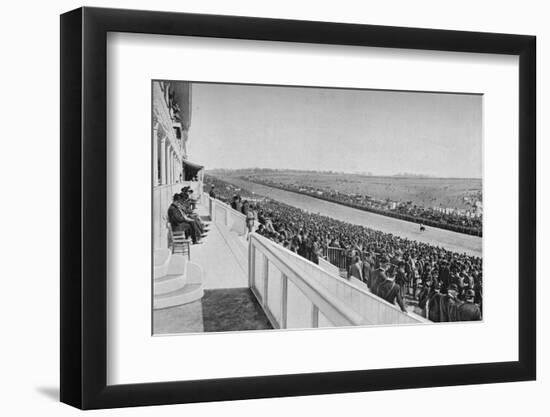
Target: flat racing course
x,y
422,191
457,242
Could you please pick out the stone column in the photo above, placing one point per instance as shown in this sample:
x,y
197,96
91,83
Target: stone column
x,y
163,161
169,164
155,156
176,175
173,168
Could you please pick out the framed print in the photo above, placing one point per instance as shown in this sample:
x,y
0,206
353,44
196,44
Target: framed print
x,y
257,208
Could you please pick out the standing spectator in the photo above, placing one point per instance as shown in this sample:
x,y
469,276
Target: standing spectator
x,y
468,310
356,269
390,291
379,275
212,192
401,278
250,217
449,304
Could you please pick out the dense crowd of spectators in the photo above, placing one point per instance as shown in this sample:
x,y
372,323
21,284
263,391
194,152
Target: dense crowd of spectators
x,y
444,284
403,210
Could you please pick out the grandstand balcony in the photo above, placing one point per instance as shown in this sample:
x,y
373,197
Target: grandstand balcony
x,y
256,284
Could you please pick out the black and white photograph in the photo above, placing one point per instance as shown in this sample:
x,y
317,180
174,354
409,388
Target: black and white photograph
x,y
270,209
300,207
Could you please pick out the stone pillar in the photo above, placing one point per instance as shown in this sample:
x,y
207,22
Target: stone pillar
x,y
177,167
173,166
155,156
163,161
169,164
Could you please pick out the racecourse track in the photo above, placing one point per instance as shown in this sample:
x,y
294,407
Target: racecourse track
x,y
457,242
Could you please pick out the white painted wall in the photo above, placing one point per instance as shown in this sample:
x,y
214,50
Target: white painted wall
x,y
30,71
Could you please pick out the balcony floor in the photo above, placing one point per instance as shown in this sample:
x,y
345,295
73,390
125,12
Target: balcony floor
x,y
223,258
228,304
220,310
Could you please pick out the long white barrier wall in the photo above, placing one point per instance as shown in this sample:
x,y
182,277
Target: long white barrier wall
x,y
290,298
221,213
296,293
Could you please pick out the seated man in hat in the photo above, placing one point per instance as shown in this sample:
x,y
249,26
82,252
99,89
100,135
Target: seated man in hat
x,y
185,192
185,205
468,310
390,291
186,195
179,221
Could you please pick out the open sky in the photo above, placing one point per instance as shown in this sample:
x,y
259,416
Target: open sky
x,y
383,132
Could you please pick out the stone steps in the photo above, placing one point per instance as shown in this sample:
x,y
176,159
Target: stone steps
x,y
176,280
169,283
183,295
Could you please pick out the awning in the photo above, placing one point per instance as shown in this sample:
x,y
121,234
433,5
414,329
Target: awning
x,y
190,170
192,165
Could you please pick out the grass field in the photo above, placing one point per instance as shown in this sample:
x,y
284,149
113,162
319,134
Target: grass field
x,y
422,191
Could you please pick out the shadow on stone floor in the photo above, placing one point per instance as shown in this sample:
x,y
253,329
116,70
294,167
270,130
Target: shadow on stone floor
x,y
232,309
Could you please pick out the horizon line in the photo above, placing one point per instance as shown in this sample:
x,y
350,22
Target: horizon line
x,y
361,173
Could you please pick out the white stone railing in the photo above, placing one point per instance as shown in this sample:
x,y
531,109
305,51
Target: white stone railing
x,y
221,213
348,299
290,298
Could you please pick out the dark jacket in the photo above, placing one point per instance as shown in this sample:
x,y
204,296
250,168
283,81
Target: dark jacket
x,y
433,305
377,277
448,308
400,278
390,291
176,218
469,311
445,276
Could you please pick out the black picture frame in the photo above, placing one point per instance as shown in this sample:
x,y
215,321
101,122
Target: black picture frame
x,y
83,310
